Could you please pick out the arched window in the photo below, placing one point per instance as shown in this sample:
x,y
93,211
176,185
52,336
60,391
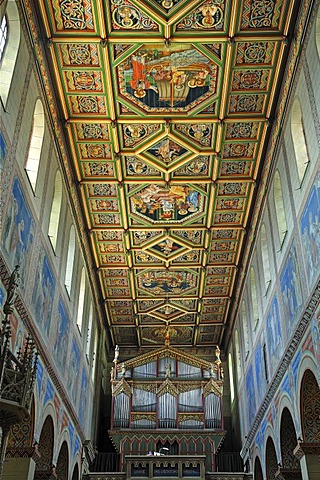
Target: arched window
x,y
265,256
32,164
271,459
230,367
299,139
82,292
94,355
70,259
62,469
265,362
89,331
318,31
3,35
254,298
258,475
9,45
238,356
55,210
280,211
245,330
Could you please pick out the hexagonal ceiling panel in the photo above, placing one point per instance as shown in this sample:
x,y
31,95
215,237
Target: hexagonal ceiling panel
x,y
158,79
166,106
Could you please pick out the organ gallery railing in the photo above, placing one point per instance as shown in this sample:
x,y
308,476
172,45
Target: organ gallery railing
x,y
17,371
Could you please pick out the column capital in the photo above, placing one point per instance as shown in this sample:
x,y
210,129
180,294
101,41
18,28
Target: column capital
x,y
23,452
306,448
288,473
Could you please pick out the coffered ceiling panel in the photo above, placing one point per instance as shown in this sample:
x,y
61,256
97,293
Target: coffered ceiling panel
x,y
166,105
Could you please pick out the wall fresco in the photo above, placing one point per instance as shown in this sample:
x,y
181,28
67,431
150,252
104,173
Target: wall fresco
x,y
260,371
291,289
3,151
18,232
43,293
273,332
315,334
82,413
61,339
251,395
309,225
74,371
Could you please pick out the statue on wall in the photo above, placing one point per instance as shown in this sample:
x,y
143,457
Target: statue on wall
x,y
116,354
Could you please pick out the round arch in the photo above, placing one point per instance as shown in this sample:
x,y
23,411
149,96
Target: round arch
x,y
271,459
48,410
286,402
299,138
62,467
75,473
45,446
310,407
10,52
257,475
36,141
288,442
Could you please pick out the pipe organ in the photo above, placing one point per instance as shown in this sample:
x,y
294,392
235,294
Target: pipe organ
x,y
168,396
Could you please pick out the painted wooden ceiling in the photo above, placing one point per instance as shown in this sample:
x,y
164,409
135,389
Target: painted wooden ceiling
x,y
167,106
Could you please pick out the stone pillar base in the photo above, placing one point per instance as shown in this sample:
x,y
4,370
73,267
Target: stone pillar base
x,y
18,469
310,452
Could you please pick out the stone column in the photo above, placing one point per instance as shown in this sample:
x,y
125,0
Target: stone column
x,y
309,456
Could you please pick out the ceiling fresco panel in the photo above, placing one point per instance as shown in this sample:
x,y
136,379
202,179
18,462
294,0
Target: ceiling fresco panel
x,y
78,55
70,17
208,16
165,105
162,80
126,16
200,134
263,15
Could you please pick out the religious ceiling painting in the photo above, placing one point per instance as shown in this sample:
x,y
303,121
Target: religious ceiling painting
x,y
166,107
157,204
178,334
163,282
160,80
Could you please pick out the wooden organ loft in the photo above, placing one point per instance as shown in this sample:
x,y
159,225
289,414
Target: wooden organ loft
x,y
167,401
